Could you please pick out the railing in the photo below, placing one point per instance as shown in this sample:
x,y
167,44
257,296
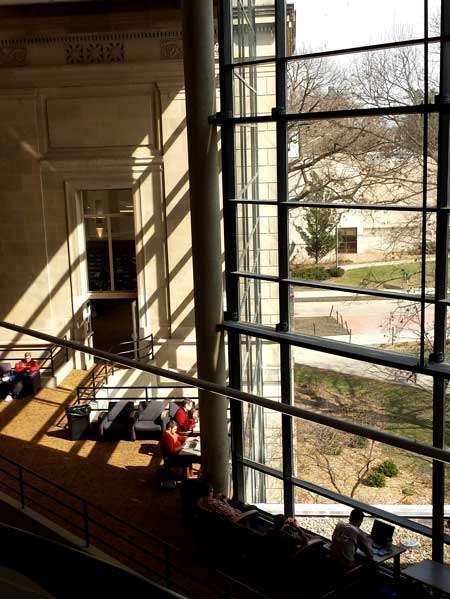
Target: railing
x,y
141,550
88,393
141,348
53,356
99,375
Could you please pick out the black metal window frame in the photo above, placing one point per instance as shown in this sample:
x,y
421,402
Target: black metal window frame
x,y
434,365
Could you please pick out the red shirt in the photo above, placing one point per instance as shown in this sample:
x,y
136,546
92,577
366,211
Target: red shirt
x,y
171,443
24,366
185,423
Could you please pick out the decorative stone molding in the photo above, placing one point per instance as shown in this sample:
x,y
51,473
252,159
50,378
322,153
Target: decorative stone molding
x,y
94,52
13,57
84,38
171,49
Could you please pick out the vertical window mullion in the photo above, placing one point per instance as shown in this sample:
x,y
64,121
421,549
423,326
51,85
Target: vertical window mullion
x,y
441,281
230,228
110,252
283,249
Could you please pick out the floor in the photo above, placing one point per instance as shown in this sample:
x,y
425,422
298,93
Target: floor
x,y
121,476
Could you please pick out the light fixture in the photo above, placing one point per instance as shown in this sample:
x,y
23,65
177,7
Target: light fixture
x,y
99,227
99,232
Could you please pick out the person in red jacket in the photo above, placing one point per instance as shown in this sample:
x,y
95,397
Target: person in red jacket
x,y
20,375
183,417
26,364
172,444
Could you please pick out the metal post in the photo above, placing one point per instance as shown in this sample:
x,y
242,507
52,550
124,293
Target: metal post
x,y
441,281
86,524
198,42
21,488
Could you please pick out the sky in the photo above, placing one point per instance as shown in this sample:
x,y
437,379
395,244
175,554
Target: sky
x,y
334,24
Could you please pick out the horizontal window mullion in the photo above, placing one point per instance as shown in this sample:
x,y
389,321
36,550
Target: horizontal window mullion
x,y
328,346
336,114
429,299
252,275
366,48
366,507
337,52
262,468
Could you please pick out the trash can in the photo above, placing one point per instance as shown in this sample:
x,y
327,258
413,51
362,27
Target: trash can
x,y
78,419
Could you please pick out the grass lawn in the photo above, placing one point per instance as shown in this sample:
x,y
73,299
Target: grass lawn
x,y
403,409
404,275
400,408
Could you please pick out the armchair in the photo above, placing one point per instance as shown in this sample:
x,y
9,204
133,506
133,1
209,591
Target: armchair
x,y
117,420
149,419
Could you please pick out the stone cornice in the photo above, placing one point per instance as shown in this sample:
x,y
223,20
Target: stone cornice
x,y
70,38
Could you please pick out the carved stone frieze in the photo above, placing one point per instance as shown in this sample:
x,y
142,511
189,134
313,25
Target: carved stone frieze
x,y
94,52
13,57
171,49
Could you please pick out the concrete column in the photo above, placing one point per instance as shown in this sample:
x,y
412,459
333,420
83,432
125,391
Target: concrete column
x,y
198,45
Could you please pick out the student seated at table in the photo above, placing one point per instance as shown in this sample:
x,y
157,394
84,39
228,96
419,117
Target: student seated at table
x,y
172,444
348,538
183,417
222,505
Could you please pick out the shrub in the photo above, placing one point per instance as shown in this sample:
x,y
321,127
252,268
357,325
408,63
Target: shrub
x,y
311,273
359,442
388,468
335,271
375,479
330,442
408,491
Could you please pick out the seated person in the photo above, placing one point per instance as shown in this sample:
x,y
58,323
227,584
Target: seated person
x,y
183,417
172,444
20,375
220,504
285,526
348,538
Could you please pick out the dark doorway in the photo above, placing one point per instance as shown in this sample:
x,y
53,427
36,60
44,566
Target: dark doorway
x,y
112,323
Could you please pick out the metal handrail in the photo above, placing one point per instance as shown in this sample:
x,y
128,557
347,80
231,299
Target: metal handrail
x,y
52,353
169,551
137,348
442,455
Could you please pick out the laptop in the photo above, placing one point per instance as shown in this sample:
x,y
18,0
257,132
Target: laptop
x,y
381,534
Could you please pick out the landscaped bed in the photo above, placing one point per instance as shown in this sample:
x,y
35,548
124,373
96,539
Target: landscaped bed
x,y
343,462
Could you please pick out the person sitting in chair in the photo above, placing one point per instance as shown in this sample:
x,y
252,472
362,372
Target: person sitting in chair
x,y
348,538
220,504
20,376
183,417
172,443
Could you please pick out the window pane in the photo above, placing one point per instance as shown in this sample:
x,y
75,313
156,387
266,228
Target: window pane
x,y
390,399
361,160
375,249
260,367
97,254
255,162
253,29
371,79
124,252
254,89
263,490
360,468
258,301
100,202
257,236
320,516
360,23
389,324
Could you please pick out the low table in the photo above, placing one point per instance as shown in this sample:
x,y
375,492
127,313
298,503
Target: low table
x,y
430,573
191,447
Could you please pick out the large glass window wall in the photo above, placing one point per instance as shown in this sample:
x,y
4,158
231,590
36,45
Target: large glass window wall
x,y
335,171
